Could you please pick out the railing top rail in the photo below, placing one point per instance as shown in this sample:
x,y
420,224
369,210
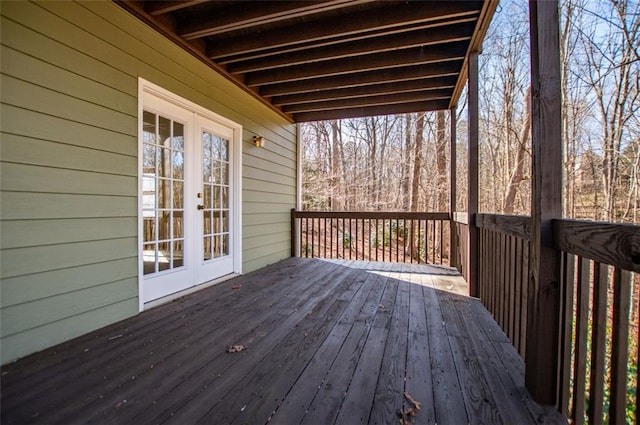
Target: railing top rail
x,y
608,243
461,217
399,215
513,225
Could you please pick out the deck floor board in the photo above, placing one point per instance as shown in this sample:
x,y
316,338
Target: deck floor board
x,y
328,342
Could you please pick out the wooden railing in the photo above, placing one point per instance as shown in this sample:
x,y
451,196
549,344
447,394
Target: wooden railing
x,y
372,236
460,227
600,321
504,246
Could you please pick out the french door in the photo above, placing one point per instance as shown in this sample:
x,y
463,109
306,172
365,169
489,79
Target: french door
x,y
188,199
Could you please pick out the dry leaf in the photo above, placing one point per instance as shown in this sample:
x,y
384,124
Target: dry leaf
x,y
416,404
236,348
236,287
406,416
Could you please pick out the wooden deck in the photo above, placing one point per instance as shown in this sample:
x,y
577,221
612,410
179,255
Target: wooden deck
x,y
326,342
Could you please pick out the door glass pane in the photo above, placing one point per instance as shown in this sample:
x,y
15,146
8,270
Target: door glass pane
x,y
206,170
207,223
178,253
164,131
149,159
164,225
178,165
217,167
224,150
216,222
216,148
178,195
216,246
207,196
207,247
225,221
178,228
216,186
216,196
148,226
164,161
178,136
224,173
164,256
163,192
225,245
149,258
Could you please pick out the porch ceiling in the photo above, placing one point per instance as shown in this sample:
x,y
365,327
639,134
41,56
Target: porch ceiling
x,y
319,60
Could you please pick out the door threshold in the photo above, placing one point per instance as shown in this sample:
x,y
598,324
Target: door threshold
x,y
176,295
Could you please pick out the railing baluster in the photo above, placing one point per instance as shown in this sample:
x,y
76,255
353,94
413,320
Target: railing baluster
x,y
441,248
356,234
350,238
397,241
418,241
619,343
404,241
426,241
598,341
526,252
566,331
377,239
325,237
580,347
517,279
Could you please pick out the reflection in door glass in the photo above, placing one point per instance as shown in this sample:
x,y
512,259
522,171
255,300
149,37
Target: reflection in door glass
x,y
162,193
215,176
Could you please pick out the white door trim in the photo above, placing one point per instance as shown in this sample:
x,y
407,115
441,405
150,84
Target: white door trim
x,y
146,88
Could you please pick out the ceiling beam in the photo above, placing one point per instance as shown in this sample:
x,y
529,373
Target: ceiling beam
x,y
364,78
156,8
374,89
448,34
395,59
359,102
243,14
377,34
403,108
388,16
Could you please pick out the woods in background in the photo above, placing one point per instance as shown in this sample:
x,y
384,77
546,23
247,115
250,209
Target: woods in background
x,y
401,162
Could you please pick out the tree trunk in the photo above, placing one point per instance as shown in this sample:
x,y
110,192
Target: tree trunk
x,y
518,174
406,169
441,161
415,184
335,167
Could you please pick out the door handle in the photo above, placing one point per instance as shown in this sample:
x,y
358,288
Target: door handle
x,y
200,207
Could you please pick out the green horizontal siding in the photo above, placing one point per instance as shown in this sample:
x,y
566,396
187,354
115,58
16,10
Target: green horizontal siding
x,y
69,75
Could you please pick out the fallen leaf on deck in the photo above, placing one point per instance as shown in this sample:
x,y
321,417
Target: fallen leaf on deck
x,y
406,416
236,287
416,404
236,348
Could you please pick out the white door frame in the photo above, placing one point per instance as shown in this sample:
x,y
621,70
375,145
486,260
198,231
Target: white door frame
x,y
145,89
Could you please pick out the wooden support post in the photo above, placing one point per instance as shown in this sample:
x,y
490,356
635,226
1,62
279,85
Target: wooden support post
x,y
453,247
294,234
542,375
472,191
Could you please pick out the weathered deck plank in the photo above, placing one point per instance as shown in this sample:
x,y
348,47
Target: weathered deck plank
x,y
331,342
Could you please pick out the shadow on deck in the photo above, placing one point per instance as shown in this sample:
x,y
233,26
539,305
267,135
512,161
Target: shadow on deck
x,y
326,342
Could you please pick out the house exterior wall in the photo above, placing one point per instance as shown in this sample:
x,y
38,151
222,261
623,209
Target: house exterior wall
x,y
69,205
